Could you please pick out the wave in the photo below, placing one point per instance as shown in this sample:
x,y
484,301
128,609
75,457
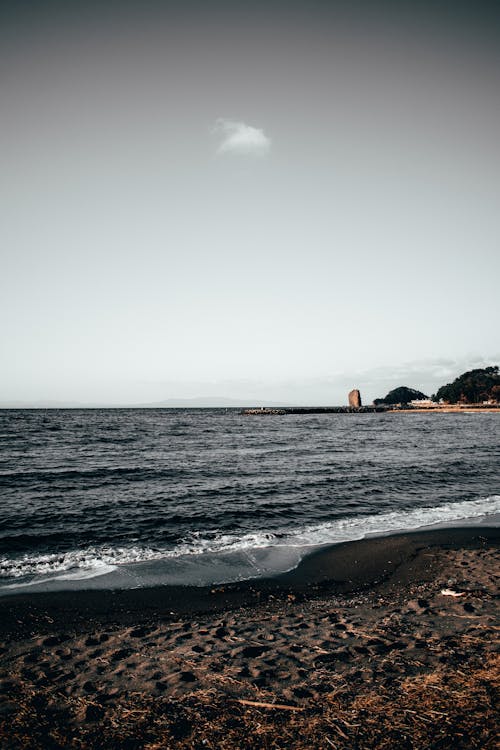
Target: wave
x,y
349,529
103,558
133,473
98,560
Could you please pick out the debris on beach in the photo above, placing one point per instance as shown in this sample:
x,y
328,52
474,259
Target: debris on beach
x,y
386,668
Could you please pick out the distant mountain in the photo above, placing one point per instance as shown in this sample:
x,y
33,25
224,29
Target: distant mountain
x,y
401,395
202,402
49,404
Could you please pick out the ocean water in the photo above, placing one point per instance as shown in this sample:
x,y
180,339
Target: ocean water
x,y
135,497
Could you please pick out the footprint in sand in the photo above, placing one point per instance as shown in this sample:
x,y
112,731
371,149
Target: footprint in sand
x,y
122,653
64,653
55,640
222,632
33,656
139,632
253,652
187,677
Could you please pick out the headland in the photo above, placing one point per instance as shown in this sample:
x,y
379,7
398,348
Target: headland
x,y
473,391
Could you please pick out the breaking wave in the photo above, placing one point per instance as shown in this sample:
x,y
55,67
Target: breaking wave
x,y
101,559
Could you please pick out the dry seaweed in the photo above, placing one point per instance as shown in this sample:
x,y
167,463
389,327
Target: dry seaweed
x,y
442,709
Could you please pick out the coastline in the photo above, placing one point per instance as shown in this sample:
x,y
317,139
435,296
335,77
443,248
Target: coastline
x,y
374,409
451,409
357,626
343,568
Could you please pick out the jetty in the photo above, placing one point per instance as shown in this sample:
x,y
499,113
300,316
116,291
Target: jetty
x,y
316,410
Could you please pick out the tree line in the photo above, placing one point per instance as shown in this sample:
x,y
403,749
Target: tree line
x,y
472,387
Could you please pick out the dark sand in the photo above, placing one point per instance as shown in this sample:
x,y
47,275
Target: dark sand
x,y
357,648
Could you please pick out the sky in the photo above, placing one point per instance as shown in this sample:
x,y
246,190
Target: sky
x,y
270,200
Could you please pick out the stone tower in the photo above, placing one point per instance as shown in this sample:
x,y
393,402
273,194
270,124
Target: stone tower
x,y
355,398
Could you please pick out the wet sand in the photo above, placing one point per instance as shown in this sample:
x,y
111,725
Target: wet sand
x,y
388,642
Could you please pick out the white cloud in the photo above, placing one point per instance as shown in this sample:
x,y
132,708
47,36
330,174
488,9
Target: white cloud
x,y
240,138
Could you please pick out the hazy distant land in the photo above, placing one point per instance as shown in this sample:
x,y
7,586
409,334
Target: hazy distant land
x,y
479,388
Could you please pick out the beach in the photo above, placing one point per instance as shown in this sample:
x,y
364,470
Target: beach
x,y
387,642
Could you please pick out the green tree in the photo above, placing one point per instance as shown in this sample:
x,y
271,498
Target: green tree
x,y
401,395
472,387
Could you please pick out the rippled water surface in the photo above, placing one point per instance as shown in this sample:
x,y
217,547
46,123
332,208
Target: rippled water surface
x,y
84,491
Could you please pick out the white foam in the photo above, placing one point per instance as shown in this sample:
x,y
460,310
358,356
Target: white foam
x,y
99,569
349,529
100,560
86,563
77,575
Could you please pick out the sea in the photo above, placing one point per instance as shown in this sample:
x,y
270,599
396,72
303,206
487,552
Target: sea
x,y
124,498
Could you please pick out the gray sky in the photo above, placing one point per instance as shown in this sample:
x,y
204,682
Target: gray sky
x,y
232,198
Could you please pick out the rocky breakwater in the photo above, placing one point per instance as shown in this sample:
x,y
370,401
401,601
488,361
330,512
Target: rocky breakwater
x,y
317,410
264,411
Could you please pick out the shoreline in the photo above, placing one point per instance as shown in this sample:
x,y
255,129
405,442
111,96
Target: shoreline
x,y
451,409
372,409
388,642
343,568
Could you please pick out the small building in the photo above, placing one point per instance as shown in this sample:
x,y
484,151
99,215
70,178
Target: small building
x,y
422,403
